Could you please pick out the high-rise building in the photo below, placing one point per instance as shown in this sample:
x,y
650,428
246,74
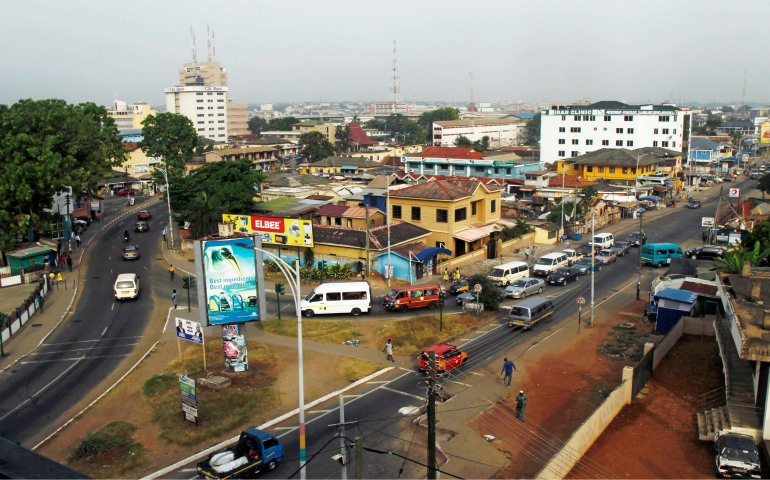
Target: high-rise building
x,y
203,74
128,117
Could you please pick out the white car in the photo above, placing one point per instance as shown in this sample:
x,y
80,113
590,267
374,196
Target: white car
x,y
606,256
126,286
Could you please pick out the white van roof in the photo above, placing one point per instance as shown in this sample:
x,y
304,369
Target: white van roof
x,y
552,255
126,276
508,265
603,235
343,285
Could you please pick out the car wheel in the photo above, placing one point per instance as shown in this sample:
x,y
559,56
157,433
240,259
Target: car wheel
x,y
309,313
271,465
540,290
432,306
356,312
523,294
403,308
658,265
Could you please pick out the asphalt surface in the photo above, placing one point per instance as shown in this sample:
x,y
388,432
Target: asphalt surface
x,y
376,405
93,341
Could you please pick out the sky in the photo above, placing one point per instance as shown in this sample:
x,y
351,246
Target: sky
x,y
529,51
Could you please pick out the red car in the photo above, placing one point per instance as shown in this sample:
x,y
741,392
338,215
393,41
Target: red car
x,y
126,191
448,357
145,215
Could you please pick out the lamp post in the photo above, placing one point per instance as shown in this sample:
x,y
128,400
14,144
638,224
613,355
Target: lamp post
x,y
168,198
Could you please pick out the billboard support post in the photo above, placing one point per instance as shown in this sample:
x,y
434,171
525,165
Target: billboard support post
x,y
179,347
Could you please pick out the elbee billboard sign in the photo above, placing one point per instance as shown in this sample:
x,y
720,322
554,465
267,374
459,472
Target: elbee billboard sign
x,y
290,232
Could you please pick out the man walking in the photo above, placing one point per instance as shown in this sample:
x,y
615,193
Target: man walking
x,y
69,262
704,236
389,350
508,368
77,239
521,404
526,254
40,301
173,299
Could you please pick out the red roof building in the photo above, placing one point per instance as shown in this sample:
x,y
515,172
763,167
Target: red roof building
x,y
450,152
570,181
358,136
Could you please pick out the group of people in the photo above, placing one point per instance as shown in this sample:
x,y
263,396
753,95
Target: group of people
x,y
455,275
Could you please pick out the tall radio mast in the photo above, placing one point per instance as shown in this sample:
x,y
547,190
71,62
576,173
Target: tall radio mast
x,y
472,106
192,34
208,44
395,89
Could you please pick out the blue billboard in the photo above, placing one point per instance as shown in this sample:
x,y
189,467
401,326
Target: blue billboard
x,y
230,281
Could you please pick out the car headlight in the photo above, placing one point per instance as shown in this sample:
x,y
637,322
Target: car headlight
x,y
561,279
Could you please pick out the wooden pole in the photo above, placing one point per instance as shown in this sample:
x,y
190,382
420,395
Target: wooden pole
x,y
203,346
179,347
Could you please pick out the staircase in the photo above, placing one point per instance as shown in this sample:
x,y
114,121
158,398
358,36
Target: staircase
x,y
711,421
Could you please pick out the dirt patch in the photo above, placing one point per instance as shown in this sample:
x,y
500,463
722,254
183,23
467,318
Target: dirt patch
x,y
626,341
110,452
411,335
352,369
660,428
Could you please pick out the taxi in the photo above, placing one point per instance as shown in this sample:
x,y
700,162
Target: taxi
x,y
448,357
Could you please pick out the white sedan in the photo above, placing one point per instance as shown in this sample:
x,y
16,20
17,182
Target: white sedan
x,y
606,256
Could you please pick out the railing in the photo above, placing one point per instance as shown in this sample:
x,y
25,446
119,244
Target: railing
x,y
744,416
723,332
714,398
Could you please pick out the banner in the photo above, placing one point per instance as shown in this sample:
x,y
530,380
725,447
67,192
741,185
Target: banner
x,y
764,132
230,281
189,330
290,232
234,346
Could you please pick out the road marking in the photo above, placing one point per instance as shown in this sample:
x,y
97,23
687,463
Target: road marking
x,y
145,268
189,470
474,373
71,359
291,429
112,307
351,396
87,341
110,270
323,411
110,257
370,383
402,393
84,349
42,389
406,370
105,328
466,339
460,383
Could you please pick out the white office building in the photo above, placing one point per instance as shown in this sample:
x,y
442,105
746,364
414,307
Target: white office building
x,y
570,131
205,106
502,132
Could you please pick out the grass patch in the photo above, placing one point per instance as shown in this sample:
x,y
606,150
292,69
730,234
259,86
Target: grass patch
x,y
325,331
627,342
353,369
219,413
413,334
109,452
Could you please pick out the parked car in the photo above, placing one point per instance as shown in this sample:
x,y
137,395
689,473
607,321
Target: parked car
x,y
705,252
621,248
141,227
563,275
727,178
457,288
572,256
126,191
524,286
467,297
144,215
694,204
606,256
448,357
131,253
659,254
636,239
255,451
736,455
583,266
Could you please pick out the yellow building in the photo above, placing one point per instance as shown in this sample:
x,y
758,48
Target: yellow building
x,y
378,154
138,164
341,165
328,129
129,116
462,215
621,164
347,216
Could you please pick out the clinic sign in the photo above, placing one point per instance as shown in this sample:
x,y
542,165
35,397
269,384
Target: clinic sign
x,y
290,232
610,112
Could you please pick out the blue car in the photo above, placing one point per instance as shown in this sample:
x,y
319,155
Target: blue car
x,y
694,204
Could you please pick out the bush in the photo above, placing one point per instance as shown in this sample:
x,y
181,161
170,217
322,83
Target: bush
x,y
158,384
309,257
490,295
112,435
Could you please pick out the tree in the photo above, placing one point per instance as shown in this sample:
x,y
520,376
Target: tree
x,y
533,131
521,228
712,123
735,258
356,119
171,137
479,145
256,124
400,127
554,214
343,138
309,257
589,192
490,295
764,184
442,114
728,109
282,124
48,147
315,146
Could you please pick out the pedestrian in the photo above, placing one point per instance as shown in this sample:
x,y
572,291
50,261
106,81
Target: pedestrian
x,y
69,262
171,270
77,239
446,276
164,233
59,278
521,404
508,368
526,254
173,299
40,301
51,279
389,350
62,263
704,236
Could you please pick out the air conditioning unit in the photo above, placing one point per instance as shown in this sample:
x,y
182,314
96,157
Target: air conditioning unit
x,y
489,171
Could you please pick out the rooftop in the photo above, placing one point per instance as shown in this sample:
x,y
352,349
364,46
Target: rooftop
x,y
449,152
749,314
400,232
346,211
569,181
618,156
358,136
358,162
448,190
480,122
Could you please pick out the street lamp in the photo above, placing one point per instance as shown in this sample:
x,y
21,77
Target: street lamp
x,y
168,198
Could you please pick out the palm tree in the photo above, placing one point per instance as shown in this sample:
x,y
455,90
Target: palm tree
x,y
734,259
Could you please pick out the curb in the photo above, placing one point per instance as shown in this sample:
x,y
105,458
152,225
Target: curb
x,y
268,424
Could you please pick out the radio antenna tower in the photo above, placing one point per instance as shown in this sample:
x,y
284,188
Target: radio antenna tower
x,y
208,44
394,89
743,95
472,106
213,48
192,34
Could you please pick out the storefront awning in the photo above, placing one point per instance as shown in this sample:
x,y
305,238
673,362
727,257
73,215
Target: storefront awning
x,y
432,252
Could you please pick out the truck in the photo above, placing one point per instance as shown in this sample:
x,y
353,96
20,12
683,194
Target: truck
x,y
255,451
573,256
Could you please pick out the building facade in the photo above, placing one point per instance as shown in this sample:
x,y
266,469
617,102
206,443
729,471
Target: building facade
x,y
386,108
572,131
238,119
621,164
205,106
502,132
208,74
128,117
328,129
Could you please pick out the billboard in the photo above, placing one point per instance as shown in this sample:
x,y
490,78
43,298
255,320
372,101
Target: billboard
x,y
230,274
764,132
234,346
189,330
289,232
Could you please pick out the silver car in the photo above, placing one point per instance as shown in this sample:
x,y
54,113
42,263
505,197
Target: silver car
x,y
606,256
621,248
466,297
522,287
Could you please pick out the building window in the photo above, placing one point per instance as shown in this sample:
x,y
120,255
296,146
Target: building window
x,y
612,169
574,141
562,141
675,131
629,143
221,128
589,142
590,168
628,118
222,115
397,211
618,130
220,100
497,171
633,170
575,154
201,122
209,93
507,171
629,130
443,167
479,169
494,206
664,118
199,93
442,216
618,143
473,208
220,93
673,144
625,170
201,129
591,118
201,115
200,108
574,129
210,115
200,100
219,108
601,169
655,131
665,131
577,118
654,143
607,118
561,153
664,144
461,214
563,118
605,142
416,213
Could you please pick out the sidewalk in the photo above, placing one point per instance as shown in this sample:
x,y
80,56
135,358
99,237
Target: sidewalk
x,y
59,300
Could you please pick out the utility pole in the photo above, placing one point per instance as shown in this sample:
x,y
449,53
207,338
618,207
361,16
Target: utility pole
x,y
359,457
342,438
716,215
593,263
641,245
368,254
432,418
69,224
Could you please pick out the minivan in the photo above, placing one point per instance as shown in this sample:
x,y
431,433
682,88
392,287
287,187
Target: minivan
x,y
126,286
505,274
659,254
353,297
530,311
548,263
413,296
603,240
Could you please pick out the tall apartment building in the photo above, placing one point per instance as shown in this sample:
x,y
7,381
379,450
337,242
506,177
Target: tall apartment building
x,y
129,117
571,131
206,107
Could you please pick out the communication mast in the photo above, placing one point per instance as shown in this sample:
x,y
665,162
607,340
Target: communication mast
x,y
208,44
395,89
192,34
472,106
743,95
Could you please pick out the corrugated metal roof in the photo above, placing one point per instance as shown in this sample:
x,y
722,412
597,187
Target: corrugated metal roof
x,y
437,190
449,152
676,295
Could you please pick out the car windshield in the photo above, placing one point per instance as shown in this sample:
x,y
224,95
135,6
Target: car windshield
x,y
497,272
125,285
634,235
602,254
561,271
519,283
310,295
545,261
584,261
392,293
130,250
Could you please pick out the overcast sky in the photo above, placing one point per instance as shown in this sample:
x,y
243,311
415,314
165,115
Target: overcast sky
x,y
279,51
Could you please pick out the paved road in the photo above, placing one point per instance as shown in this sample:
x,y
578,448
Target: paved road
x,y
99,334
376,405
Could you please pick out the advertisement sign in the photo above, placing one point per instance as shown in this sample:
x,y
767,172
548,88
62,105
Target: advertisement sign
x,y
735,192
273,230
707,221
764,132
189,330
189,402
735,238
722,238
230,281
234,346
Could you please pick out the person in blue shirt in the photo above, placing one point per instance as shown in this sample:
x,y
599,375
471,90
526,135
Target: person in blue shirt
x,y
508,368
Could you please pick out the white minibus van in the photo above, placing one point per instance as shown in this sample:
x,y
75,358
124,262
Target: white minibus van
x,y
505,274
353,297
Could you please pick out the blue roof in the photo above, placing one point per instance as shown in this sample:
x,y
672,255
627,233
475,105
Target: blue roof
x,y
257,433
681,296
432,252
349,168
747,150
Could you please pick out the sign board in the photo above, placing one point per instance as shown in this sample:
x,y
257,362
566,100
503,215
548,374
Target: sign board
x,y
477,288
735,192
581,301
188,396
722,238
734,238
234,346
707,221
290,232
190,410
764,132
189,330
230,276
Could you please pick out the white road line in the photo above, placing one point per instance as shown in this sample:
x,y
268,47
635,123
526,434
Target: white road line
x,y
87,341
42,389
110,270
84,349
402,393
460,383
189,470
70,359
465,339
110,257
322,411
112,307
291,429
406,369
474,373
351,396
105,328
370,383
145,268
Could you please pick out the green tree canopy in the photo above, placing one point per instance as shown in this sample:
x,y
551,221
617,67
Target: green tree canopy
x,y
533,131
171,137
764,184
554,214
442,114
479,145
282,124
401,128
521,228
48,147
315,145
490,295
256,125
343,138
735,258
589,192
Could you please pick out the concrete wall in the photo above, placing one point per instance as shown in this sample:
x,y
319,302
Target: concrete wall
x,y
701,327
24,312
668,342
580,441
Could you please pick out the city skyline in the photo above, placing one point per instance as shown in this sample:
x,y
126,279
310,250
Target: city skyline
x,y
343,51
